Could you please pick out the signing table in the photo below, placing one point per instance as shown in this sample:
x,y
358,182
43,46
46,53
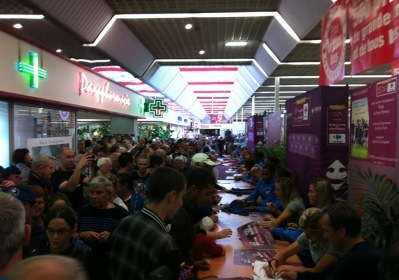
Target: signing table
x,y
224,267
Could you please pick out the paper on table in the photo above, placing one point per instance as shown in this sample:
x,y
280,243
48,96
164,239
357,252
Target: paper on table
x,y
259,273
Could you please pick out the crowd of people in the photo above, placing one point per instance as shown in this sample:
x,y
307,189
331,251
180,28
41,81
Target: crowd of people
x,y
123,209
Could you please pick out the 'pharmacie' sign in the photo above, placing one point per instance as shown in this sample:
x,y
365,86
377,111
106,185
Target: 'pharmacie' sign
x,y
102,92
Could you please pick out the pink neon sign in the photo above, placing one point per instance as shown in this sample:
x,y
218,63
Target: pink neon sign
x,y
102,92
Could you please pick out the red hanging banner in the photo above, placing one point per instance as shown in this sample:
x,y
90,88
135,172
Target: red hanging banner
x,y
372,33
332,51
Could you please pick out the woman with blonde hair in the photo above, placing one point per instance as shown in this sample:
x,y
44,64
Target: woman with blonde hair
x,y
321,193
323,255
293,206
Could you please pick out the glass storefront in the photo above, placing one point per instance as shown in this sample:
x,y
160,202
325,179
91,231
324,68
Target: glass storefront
x,y
43,130
5,134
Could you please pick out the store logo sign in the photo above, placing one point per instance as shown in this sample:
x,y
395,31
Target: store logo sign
x,y
32,69
156,107
102,92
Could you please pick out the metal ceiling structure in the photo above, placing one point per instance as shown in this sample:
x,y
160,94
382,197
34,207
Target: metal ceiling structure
x,y
148,39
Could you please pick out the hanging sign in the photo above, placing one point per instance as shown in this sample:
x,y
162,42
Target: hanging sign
x,y
332,64
156,107
32,69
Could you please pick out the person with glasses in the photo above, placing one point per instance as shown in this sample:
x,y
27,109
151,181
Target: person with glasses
x,y
322,254
60,224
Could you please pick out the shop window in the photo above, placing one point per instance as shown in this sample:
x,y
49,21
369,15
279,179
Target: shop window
x,y
4,135
42,130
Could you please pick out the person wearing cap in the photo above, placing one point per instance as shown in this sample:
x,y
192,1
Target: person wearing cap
x,y
38,236
42,168
10,176
15,232
69,178
204,161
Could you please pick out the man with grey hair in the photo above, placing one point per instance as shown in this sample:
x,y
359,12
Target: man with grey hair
x,y
14,232
98,219
49,267
42,168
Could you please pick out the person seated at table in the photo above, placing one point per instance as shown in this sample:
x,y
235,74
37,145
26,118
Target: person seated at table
x,y
249,163
244,156
325,257
293,206
255,176
265,190
342,226
321,193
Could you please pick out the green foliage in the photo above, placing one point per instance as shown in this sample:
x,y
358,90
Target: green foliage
x,y
102,130
151,131
279,152
378,199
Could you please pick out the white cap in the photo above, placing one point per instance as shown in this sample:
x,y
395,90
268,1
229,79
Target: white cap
x,y
102,160
201,157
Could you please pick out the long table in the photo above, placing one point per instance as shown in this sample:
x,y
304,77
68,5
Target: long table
x,y
223,267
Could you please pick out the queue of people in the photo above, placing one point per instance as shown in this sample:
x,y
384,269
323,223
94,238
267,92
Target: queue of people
x,y
135,210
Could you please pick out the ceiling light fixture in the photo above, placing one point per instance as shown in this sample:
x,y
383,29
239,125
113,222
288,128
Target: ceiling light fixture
x,y
276,15
58,50
14,16
188,26
236,44
201,52
17,26
90,61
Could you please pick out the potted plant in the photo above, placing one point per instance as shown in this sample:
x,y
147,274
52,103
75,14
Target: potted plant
x,y
377,197
278,152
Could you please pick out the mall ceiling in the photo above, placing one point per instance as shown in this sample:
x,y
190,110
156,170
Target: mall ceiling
x,y
148,39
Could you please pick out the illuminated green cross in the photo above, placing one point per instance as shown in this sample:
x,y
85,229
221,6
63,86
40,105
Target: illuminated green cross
x,y
157,108
141,105
32,69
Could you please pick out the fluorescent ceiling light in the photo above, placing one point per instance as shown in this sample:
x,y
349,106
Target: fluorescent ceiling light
x,y
90,61
14,16
276,15
17,26
236,44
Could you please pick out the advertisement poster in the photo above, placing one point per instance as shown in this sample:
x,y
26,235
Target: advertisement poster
x,y
359,128
372,34
252,235
50,146
374,122
332,48
336,124
248,257
273,128
300,112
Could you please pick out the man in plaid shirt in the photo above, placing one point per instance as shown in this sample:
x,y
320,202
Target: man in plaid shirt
x,y
141,243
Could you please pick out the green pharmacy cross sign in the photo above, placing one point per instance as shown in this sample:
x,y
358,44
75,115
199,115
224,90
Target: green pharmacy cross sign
x,y
157,108
32,68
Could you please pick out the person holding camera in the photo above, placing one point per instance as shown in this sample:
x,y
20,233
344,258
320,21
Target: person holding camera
x,y
69,178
